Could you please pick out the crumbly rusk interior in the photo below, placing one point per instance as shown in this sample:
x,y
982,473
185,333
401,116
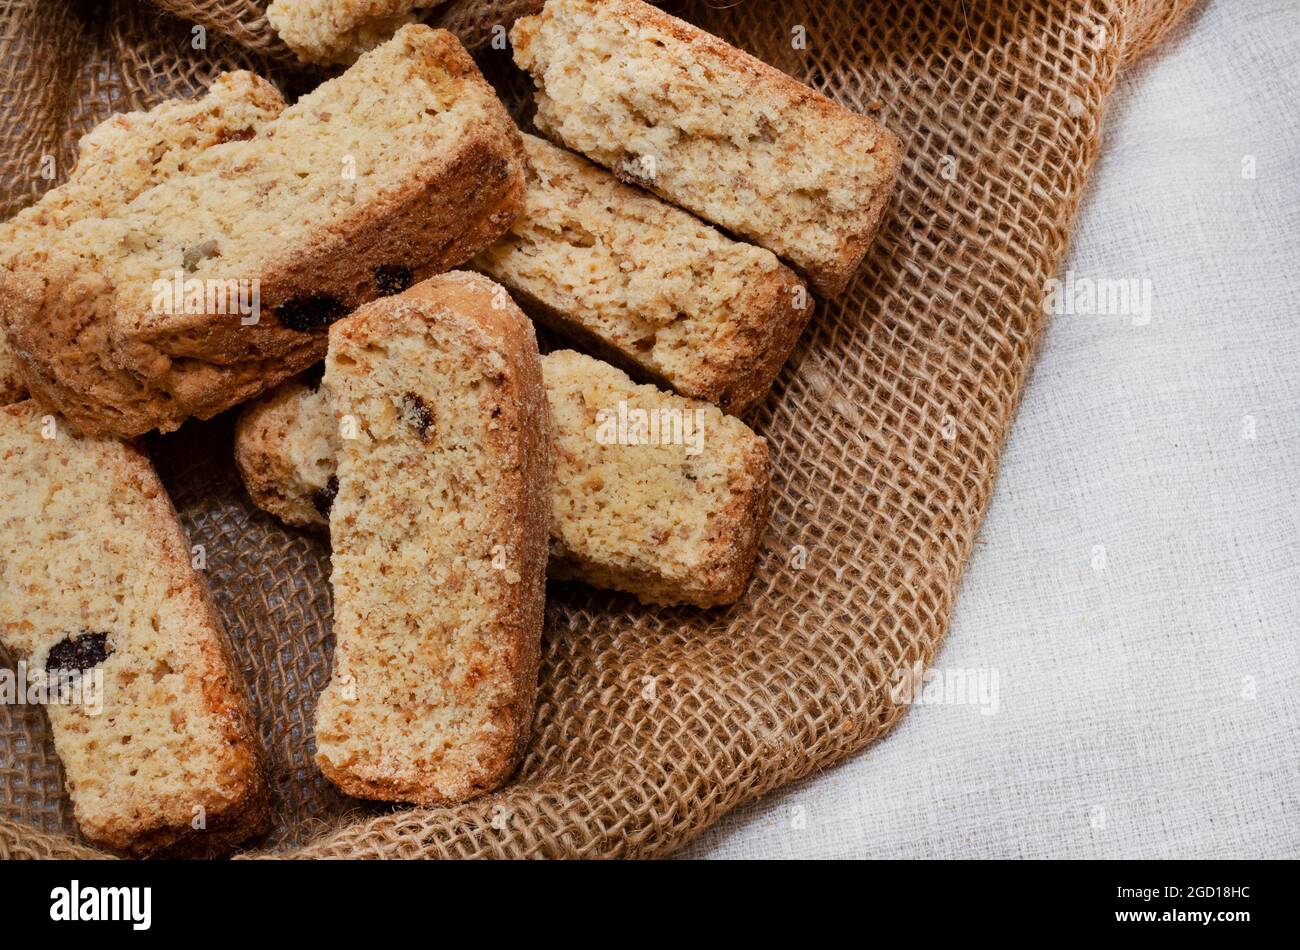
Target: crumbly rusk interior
x,y
682,113
439,543
647,285
96,579
660,521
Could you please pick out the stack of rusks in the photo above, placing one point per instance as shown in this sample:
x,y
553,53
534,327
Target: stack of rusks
x,y
686,206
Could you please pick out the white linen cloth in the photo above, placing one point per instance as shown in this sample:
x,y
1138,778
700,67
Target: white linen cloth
x,y
1136,583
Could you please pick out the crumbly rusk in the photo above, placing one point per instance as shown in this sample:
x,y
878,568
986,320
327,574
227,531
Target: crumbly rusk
x,y
672,510
286,449
646,285
405,165
665,522
678,111
338,31
439,543
158,745
126,155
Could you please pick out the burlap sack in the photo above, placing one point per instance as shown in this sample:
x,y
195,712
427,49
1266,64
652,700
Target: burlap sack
x,y
885,429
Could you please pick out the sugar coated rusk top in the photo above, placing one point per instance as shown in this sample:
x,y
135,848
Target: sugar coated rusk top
x,y
684,114
673,519
338,31
126,155
401,167
96,582
439,542
647,285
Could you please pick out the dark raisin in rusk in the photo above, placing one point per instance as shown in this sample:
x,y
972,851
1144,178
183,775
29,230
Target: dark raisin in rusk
x,y
312,376
79,652
417,414
310,313
393,278
324,498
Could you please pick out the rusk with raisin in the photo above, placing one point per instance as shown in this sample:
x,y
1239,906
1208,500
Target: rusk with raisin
x,y
664,522
439,543
96,577
405,165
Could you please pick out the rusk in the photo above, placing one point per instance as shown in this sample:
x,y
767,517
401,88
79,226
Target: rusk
x,y
678,111
124,156
96,578
646,285
405,165
439,543
660,521
673,518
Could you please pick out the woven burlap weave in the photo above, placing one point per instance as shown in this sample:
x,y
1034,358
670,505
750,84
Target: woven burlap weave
x,y
885,428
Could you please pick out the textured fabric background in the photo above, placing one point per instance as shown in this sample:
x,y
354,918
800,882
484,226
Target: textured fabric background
x,y
1128,689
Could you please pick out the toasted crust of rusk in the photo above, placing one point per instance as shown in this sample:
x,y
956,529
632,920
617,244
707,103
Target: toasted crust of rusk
x,y
122,157
115,363
712,129
439,533
67,361
91,550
